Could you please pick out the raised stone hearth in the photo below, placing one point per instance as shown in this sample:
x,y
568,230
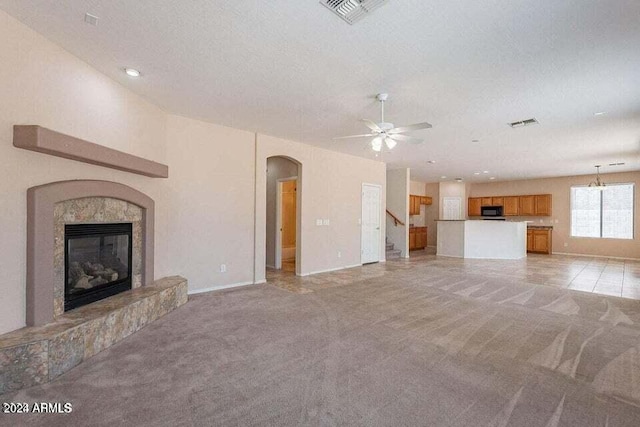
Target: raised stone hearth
x,y
36,355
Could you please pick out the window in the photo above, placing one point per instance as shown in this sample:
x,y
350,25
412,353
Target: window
x,y
602,214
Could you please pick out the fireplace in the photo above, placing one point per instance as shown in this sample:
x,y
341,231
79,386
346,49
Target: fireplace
x,y
97,262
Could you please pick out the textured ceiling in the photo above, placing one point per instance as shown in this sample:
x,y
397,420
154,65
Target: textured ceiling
x,y
293,69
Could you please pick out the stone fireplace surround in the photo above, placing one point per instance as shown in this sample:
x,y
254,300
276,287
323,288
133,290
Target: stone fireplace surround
x,y
55,341
49,206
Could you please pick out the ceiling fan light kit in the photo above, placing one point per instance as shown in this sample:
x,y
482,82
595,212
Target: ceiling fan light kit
x,y
384,131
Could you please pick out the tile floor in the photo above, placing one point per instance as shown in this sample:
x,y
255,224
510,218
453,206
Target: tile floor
x,y
605,276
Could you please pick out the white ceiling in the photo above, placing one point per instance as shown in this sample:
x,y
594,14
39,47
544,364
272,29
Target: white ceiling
x,y
293,69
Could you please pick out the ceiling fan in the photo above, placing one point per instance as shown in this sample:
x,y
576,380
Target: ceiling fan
x,y
386,132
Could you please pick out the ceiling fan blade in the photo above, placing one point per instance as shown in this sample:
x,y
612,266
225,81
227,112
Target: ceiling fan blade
x,y
409,128
405,138
374,127
355,136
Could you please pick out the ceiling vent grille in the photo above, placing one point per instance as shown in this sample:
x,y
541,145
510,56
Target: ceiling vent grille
x,y
523,123
352,10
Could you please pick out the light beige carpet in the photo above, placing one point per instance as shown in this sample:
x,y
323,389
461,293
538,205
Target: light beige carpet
x,y
409,345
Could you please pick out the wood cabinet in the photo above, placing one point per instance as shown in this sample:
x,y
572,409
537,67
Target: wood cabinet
x,y
417,238
497,201
511,206
414,205
539,240
474,208
543,204
416,201
528,205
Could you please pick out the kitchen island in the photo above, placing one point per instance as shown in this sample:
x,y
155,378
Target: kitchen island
x,y
482,239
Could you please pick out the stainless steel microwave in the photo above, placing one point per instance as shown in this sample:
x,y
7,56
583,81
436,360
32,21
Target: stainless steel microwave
x,y
491,211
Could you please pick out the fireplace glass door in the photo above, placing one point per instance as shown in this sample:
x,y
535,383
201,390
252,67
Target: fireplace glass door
x,y
97,262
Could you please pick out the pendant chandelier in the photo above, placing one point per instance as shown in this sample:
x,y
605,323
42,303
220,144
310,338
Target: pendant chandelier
x,y
598,184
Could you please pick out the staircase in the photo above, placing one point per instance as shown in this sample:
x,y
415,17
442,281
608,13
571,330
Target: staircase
x,y
392,253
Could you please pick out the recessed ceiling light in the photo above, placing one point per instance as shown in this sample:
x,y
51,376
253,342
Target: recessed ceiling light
x,y
443,177
493,177
485,171
131,72
431,161
476,173
600,113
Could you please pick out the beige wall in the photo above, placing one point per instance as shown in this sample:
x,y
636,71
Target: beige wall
x,y
453,189
329,187
432,212
560,188
398,204
277,168
205,211
42,84
210,203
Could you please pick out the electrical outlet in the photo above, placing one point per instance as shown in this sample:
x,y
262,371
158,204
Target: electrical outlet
x,y
223,268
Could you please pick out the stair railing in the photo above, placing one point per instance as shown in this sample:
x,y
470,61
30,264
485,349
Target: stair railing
x,y
396,220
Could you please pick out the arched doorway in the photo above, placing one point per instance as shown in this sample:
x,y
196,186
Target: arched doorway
x,y
282,214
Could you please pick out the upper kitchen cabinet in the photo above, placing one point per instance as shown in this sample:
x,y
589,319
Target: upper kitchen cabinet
x,y
543,204
511,206
527,206
475,205
416,201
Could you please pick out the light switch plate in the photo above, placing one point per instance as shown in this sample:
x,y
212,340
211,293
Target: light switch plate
x,y
318,222
325,222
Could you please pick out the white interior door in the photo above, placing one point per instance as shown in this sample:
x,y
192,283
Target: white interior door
x,y
370,223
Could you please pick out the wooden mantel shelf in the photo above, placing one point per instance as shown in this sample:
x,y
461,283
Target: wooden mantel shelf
x,y
43,140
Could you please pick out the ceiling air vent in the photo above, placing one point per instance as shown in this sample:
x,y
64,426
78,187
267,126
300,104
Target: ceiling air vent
x,y
523,123
352,10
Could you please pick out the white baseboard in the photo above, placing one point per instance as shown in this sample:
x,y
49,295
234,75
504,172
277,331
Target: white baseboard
x,y
220,287
332,269
596,256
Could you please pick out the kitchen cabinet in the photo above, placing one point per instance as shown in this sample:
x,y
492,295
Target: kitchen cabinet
x,y
414,205
543,205
416,201
527,206
417,238
475,204
511,206
497,201
539,240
